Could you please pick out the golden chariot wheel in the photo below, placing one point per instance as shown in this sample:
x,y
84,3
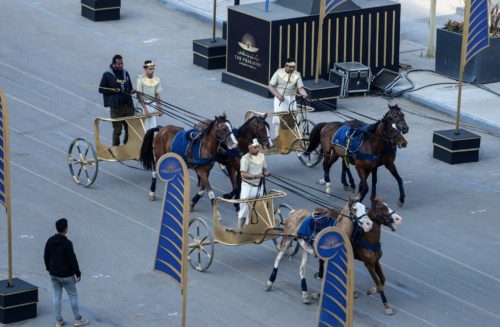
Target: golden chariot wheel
x,y
281,212
201,244
83,162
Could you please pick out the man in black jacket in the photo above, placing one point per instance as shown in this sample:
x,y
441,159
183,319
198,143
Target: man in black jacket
x,y
61,263
116,88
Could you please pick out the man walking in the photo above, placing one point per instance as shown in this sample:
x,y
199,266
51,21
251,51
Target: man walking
x,y
284,85
116,89
62,265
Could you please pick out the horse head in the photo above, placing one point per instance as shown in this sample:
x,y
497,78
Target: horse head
x,y
259,129
381,213
393,137
358,215
224,132
396,116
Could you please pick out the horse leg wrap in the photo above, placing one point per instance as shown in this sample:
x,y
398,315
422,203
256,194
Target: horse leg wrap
x,y
273,275
321,268
303,285
153,184
382,295
211,196
326,178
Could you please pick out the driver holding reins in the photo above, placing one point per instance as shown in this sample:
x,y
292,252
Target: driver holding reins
x,y
284,85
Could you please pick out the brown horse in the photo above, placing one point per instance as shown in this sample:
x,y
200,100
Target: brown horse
x,y
387,158
375,137
217,134
354,212
367,248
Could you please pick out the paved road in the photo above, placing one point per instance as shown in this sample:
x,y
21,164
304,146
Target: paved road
x,y
441,265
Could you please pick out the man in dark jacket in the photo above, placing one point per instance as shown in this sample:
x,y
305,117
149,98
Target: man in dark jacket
x,y
60,262
116,88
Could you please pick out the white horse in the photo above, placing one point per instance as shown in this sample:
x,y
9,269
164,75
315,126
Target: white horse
x,y
354,212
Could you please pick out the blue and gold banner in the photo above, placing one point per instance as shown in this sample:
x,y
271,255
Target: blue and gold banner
x,y
478,34
331,4
171,254
337,300
4,152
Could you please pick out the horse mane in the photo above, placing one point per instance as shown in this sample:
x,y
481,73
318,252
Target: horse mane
x,y
372,128
209,127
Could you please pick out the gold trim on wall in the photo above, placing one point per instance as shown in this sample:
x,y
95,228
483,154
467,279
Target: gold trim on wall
x,y
329,44
312,47
385,38
280,46
337,40
304,50
369,55
353,57
377,31
393,36
288,41
297,43
345,39
361,18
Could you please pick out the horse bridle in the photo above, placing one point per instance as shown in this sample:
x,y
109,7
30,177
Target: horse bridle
x,y
381,219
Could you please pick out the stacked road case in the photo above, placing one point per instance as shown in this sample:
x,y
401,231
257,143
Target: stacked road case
x,y
353,77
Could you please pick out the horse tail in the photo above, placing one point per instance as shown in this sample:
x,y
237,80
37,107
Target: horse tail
x,y
146,156
314,138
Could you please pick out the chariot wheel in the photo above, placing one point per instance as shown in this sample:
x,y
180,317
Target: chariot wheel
x,y
300,145
281,212
201,244
82,161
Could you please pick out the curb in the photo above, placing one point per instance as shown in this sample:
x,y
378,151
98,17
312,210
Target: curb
x,y
466,118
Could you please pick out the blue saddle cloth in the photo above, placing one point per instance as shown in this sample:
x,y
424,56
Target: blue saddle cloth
x,y
191,155
349,138
314,224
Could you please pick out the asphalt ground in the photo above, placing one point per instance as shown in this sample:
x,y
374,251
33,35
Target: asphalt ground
x,y
441,265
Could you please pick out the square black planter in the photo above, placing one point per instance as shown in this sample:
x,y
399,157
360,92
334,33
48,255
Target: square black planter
x,y
454,149
101,10
483,68
19,302
209,53
324,94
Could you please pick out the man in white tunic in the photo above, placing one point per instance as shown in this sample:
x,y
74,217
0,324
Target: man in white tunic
x,y
284,85
253,168
148,93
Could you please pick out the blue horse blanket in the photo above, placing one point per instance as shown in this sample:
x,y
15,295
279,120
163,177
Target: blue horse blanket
x,y
349,138
314,224
190,154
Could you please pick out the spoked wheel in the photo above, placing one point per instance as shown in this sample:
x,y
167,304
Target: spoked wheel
x,y
82,161
201,244
281,212
300,145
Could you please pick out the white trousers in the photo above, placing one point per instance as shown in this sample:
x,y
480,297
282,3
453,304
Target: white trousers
x,y
283,106
151,121
248,191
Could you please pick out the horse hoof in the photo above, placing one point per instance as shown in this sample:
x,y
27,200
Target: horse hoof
x,y
317,276
321,182
306,299
357,294
152,196
372,291
315,295
400,203
347,188
389,311
268,286
352,189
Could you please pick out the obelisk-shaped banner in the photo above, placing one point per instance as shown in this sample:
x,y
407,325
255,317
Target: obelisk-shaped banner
x,y
5,175
337,299
171,254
